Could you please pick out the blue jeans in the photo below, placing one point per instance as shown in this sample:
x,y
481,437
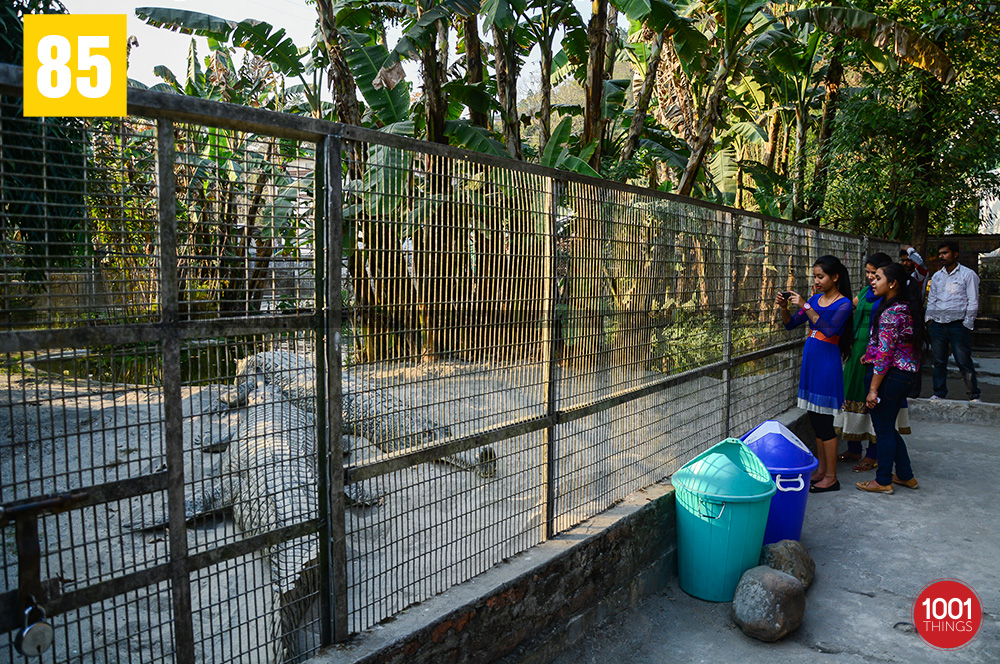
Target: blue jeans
x,y
891,448
957,335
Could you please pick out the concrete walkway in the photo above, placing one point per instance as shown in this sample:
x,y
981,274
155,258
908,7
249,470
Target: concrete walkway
x,y
873,553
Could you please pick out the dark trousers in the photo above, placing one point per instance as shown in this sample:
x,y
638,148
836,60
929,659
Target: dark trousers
x,y
891,447
957,336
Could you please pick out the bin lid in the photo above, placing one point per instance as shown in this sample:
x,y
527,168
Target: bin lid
x,y
726,471
779,449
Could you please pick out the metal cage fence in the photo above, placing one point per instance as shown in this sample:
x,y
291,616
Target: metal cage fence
x,y
268,381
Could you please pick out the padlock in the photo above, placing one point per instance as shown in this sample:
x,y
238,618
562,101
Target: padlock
x,y
37,635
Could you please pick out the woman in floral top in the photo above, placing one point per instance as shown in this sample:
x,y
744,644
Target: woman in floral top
x,y
893,359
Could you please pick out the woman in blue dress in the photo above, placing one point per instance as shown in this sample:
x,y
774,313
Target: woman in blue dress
x,y
821,380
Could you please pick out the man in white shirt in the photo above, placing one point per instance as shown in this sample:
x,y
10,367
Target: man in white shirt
x,y
952,305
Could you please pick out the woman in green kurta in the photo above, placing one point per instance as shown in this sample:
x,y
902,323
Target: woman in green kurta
x,y
853,424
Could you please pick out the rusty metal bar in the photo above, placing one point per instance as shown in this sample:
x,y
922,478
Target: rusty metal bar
x,y
29,562
332,203
323,405
548,342
330,461
92,495
56,602
729,277
18,341
173,425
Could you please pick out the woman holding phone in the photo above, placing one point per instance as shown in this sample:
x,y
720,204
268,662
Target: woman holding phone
x,y
893,361
821,379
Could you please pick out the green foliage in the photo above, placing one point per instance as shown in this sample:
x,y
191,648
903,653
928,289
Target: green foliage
x,y
903,142
557,153
43,212
367,58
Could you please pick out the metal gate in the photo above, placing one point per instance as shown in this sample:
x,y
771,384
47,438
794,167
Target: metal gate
x,y
267,380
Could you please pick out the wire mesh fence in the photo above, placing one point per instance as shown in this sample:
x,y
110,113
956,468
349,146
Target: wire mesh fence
x,y
267,381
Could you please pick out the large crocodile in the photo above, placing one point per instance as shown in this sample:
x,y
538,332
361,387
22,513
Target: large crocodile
x,y
267,476
369,412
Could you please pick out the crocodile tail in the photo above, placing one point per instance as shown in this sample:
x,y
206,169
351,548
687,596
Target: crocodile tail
x,y
296,606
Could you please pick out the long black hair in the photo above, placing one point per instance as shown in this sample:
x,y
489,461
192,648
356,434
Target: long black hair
x,y
832,266
905,293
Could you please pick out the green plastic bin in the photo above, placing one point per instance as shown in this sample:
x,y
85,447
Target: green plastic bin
x,y
723,496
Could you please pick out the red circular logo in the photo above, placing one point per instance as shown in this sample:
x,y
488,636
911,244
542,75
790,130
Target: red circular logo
x,y
947,614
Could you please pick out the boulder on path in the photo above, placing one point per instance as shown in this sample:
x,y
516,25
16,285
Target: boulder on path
x,y
790,557
768,604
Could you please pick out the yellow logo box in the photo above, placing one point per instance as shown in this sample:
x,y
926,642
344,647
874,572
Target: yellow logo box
x,y
75,65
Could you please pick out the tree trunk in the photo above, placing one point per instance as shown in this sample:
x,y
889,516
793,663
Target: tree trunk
x,y
921,222
642,102
545,112
739,180
434,104
799,181
474,64
834,77
506,70
342,85
703,141
773,135
611,43
597,33
786,143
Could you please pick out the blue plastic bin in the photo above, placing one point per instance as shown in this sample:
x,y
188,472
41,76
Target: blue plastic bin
x,y
722,498
790,463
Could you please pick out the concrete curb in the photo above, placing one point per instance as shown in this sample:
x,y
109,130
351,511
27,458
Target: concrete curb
x,y
946,410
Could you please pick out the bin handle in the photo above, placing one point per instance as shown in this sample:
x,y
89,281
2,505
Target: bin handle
x,y
709,516
799,485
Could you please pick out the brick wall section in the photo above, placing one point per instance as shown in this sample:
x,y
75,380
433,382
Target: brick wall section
x,y
551,594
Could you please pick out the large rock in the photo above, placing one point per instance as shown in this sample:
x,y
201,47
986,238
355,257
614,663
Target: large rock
x,y
790,557
768,604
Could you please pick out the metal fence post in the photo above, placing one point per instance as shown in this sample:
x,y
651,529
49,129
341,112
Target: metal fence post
x,y
173,417
728,299
551,199
333,544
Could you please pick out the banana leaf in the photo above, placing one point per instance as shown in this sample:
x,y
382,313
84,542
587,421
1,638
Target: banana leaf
x,y
366,60
887,35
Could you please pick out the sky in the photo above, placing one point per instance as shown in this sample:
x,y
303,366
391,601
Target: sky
x,y
162,47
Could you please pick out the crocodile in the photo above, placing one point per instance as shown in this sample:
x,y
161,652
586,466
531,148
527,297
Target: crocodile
x,y
368,412
267,477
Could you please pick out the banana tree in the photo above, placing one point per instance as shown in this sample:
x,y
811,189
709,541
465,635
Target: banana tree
x,y
238,193
505,18
650,31
791,71
342,84
885,43
551,16
731,28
